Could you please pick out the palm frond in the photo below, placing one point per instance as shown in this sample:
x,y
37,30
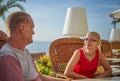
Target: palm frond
x,y
5,5
1,1
20,0
3,8
16,5
118,20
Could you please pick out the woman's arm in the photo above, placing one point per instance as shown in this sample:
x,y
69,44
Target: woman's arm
x,y
43,77
69,71
106,66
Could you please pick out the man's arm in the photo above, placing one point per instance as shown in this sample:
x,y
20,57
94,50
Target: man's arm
x,y
10,69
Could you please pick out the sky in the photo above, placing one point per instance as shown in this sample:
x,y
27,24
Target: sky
x,y
49,16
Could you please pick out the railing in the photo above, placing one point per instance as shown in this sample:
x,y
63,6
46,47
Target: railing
x,y
38,55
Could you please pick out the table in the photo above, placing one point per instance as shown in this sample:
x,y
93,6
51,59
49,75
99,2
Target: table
x,y
115,65
38,55
101,79
114,59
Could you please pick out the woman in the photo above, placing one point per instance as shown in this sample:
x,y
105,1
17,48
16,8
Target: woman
x,y
84,62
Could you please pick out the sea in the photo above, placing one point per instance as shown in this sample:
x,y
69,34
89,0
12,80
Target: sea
x,y
39,46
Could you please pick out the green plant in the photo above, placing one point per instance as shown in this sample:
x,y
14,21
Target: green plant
x,y
44,65
118,50
6,5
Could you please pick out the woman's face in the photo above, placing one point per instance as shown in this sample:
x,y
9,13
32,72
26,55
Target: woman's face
x,y
91,41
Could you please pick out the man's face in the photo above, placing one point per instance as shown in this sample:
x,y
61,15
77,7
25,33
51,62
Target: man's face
x,y
28,31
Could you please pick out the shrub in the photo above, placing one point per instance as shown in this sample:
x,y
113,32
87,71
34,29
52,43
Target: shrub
x,y
44,65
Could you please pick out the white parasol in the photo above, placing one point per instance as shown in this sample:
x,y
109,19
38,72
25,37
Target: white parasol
x,y
115,14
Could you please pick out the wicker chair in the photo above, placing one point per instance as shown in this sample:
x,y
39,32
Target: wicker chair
x,y
106,48
61,50
115,44
3,38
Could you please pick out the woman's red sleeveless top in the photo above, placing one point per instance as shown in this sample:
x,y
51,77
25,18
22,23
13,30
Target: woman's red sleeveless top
x,y
86,67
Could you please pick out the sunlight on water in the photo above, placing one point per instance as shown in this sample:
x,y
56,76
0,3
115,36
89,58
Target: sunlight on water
x,y
39,47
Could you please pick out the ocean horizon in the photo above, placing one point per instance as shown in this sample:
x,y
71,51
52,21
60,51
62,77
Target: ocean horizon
x,y
39,46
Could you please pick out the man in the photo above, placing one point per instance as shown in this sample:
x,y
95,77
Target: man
x,y
15,60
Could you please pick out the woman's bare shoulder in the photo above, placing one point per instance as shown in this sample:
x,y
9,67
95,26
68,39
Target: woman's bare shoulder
x,y
76,53
101,55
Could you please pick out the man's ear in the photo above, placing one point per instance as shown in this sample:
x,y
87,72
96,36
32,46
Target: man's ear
x,y
22,28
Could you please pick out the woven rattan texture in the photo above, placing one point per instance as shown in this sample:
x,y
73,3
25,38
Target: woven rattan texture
x,y
3,38
106,48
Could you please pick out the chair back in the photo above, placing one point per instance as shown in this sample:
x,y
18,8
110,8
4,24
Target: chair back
x,y
115,44
106,48
3,38
61,50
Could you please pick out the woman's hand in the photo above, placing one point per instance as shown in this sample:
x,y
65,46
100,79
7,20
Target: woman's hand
x,y
68,79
